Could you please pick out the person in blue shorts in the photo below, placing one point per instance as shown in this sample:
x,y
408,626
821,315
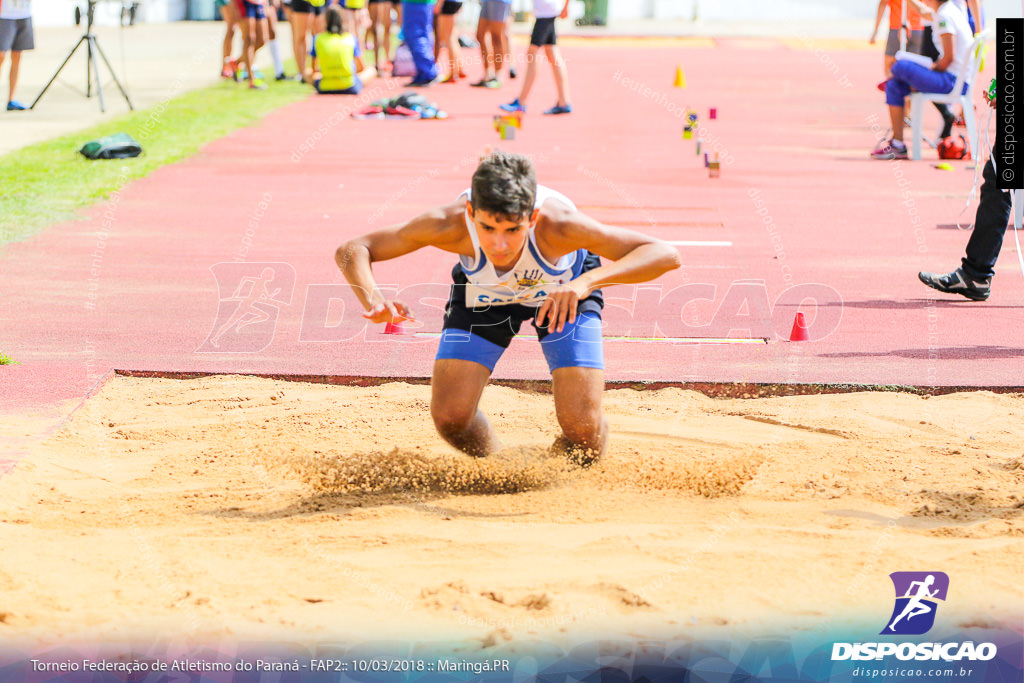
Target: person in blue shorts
x,y
525,253
254,35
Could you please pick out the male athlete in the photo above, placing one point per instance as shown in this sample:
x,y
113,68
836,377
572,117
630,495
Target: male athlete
x,y
525,253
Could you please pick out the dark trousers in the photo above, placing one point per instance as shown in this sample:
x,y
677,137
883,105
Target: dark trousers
x,y
989,227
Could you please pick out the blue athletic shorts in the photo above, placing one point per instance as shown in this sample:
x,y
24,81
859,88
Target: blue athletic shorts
x,y
482,335
578,345
253,11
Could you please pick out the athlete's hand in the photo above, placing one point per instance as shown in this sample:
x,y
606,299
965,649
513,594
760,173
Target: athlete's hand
x,y
565,12
559,306
389,312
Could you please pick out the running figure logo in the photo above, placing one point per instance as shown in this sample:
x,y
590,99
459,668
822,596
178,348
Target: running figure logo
x,y
916,596
251,296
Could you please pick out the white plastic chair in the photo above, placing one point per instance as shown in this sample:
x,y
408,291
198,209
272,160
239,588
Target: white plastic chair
x,y
968,74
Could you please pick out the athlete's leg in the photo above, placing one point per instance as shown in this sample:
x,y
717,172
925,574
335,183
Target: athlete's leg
x,y
561,73
229,13
578,393
485,48
532,53
456,387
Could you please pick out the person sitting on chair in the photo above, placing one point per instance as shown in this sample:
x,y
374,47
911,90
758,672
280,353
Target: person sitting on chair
x,y
952,35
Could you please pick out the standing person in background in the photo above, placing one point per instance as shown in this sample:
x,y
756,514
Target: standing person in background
x,y
15,37
490,33
545,11
417,26
914,28
275,49
254,36
380,29
305,19
445,36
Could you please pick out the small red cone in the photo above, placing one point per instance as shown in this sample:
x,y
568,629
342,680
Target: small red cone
x,y
799,332
393,328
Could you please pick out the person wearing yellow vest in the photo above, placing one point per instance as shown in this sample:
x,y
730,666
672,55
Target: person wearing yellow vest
x,y
341,58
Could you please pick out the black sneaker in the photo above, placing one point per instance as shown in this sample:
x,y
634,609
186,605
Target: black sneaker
x,y
958,282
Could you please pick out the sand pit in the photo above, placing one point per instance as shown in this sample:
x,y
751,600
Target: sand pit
x,y
242,508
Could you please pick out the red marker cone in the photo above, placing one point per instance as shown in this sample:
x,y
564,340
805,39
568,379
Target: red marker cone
x,y
799,332
393,328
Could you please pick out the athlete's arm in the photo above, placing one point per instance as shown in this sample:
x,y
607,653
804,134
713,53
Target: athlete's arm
x,y
354,258
878,20
947,53
633,257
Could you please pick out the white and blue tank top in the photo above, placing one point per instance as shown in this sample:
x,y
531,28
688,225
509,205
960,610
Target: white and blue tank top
x,y
532,277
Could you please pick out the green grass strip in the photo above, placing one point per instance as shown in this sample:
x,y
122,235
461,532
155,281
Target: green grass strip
x,y
47,183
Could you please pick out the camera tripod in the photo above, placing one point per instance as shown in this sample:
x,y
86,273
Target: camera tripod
x,y
92,66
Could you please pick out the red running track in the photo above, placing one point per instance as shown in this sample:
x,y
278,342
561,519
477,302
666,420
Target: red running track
x,y
814,225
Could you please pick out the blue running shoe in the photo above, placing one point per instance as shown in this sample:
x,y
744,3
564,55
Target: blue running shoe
x,y
558,109
512,106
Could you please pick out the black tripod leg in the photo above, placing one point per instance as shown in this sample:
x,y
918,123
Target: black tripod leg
x,y
114,75
70,55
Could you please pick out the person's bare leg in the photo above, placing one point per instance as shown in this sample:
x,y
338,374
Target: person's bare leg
x,y
456,387
249,48
485,52
454,49
437,36
15,65
261,35
532,54
377,14
228,13
561,73
3,56
442,34
506,43
300,24
498,46
896,120
578,393
388,55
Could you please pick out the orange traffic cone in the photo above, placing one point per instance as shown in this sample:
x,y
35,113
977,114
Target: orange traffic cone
x,y
394,328
799,332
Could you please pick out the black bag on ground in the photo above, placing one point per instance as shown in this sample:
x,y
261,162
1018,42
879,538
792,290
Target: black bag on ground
x,y
116,146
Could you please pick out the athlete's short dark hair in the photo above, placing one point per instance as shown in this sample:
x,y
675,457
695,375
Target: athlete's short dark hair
x,y
333,21
505,185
